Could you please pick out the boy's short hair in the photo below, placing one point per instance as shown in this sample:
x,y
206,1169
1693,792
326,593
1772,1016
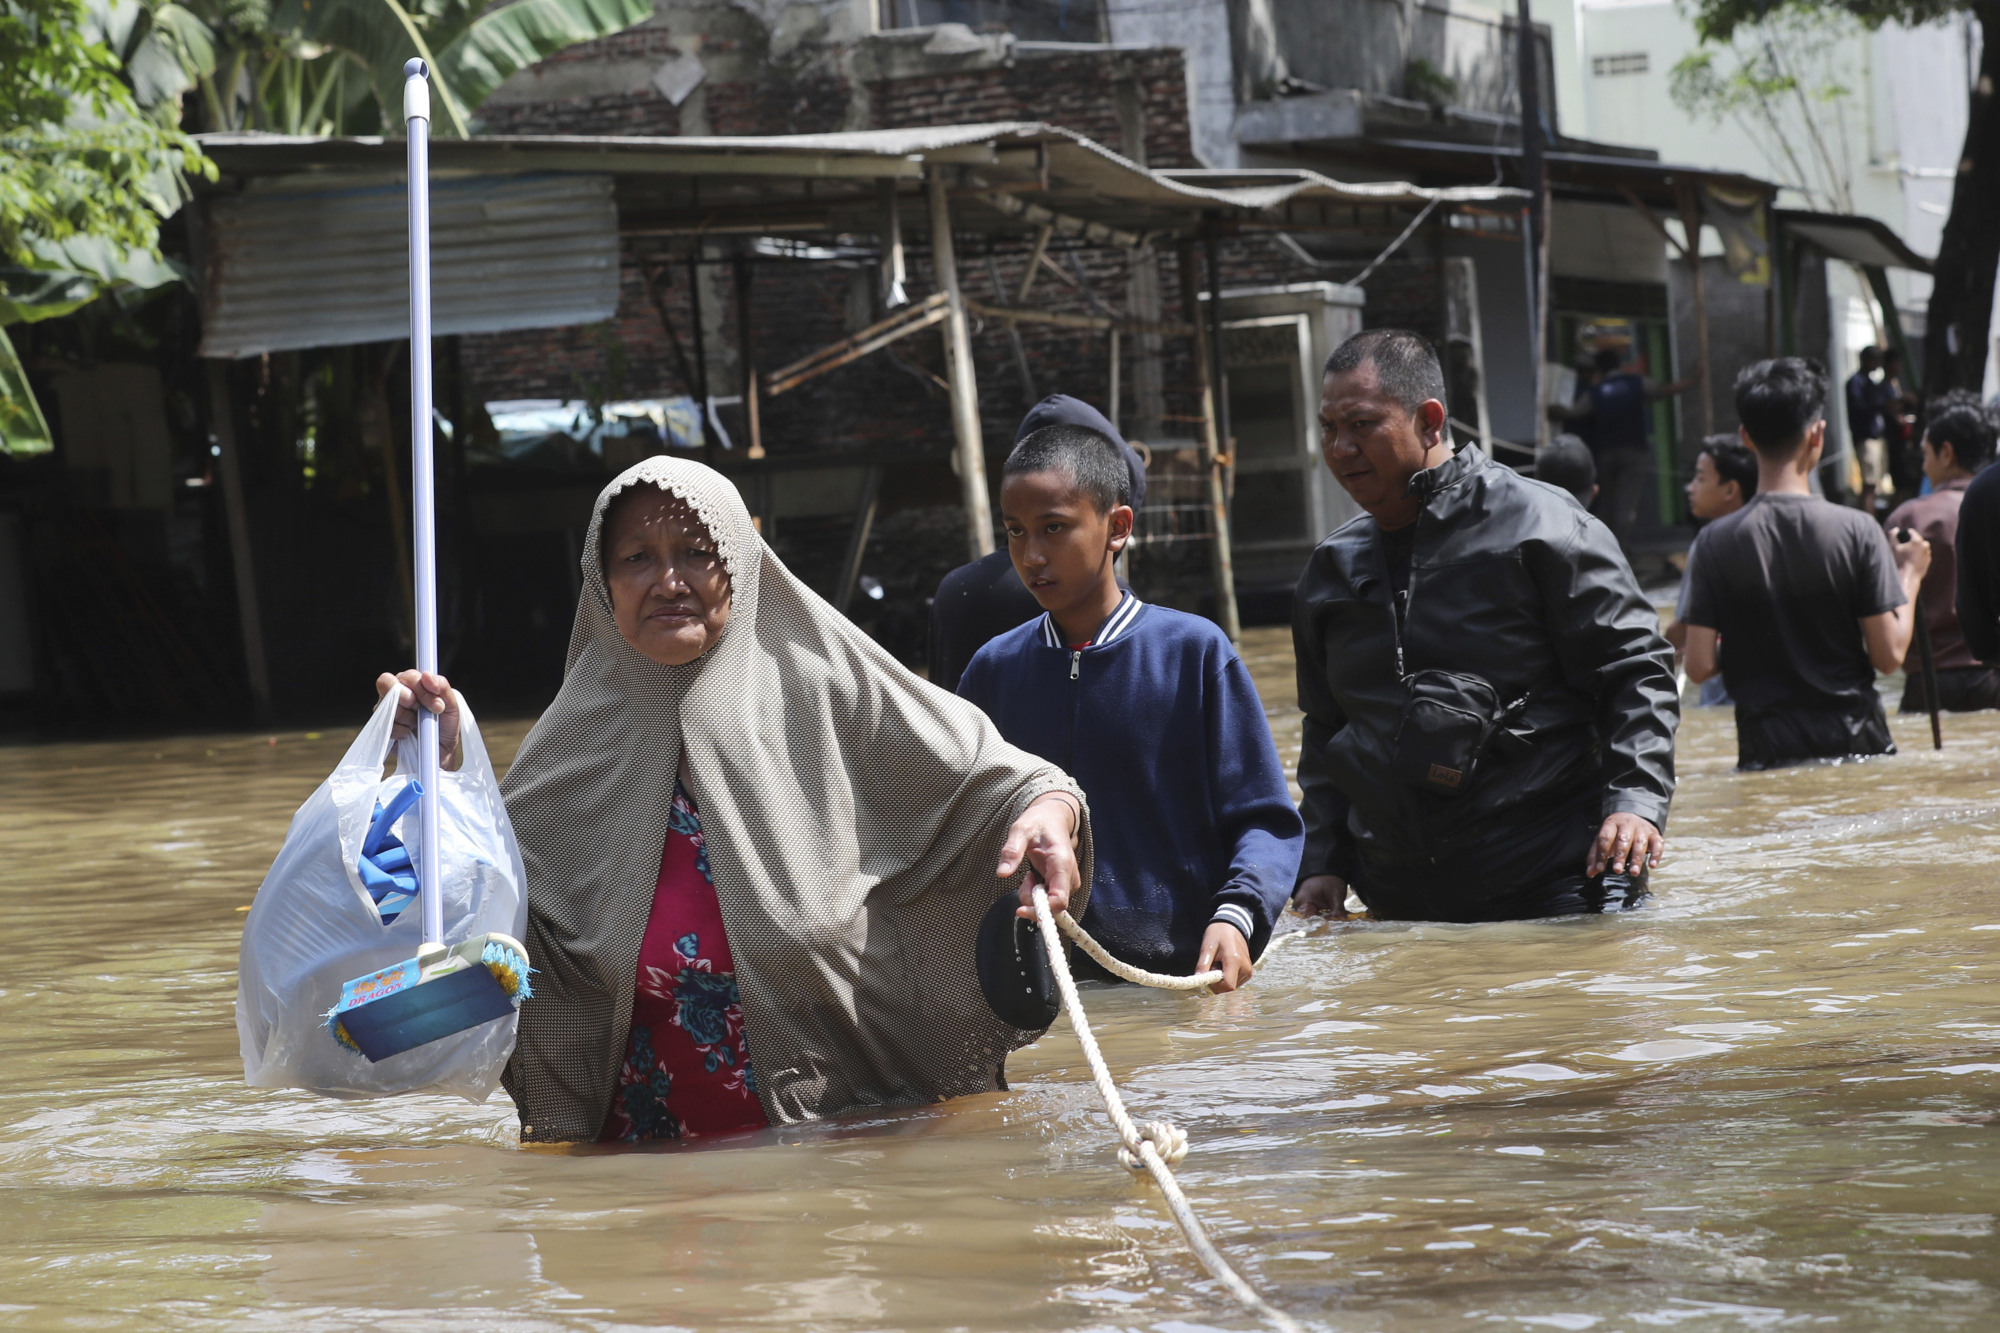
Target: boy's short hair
x,y
1733,462
1778,401
1568,463
1959,419
1406,365
1092,463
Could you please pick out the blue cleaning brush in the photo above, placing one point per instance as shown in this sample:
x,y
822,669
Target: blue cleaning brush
x,y
443,989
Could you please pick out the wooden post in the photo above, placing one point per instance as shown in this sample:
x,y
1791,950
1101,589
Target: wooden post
x,y
1691,228
746,355
1112,404
1221,563
964,388
242,559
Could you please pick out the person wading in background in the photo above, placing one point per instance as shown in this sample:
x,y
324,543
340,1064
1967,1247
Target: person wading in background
x,y
1811,598
1489,706
1725,477
1958,442
1613,413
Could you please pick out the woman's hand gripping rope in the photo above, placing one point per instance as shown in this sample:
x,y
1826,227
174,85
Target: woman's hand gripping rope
x,y
1155,1146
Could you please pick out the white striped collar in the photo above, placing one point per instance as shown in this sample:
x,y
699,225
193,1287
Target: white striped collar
x,y
1115,624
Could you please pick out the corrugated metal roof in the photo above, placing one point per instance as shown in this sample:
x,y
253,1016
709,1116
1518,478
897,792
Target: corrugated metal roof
x,y
318,262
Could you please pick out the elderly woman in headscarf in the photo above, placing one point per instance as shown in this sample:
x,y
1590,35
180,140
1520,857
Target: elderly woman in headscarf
x,y
758,849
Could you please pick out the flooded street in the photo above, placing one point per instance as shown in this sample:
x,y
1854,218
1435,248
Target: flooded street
x,y
1768,1100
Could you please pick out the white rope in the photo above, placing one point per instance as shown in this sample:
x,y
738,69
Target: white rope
x,y
1153,1146
1139,976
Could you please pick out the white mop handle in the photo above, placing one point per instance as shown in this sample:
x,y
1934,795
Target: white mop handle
x,y
417,115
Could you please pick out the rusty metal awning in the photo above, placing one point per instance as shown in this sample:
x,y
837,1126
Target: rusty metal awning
x,y
1024,171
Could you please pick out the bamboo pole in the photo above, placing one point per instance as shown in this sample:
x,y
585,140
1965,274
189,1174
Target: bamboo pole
x,y
1221,562
971,447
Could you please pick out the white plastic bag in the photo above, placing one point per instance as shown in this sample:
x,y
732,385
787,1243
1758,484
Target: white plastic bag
x,y
314,927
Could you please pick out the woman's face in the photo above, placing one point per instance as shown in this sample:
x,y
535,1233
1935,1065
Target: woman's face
x,y
669,590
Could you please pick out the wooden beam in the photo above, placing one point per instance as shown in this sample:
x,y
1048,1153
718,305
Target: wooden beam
x,y
1064,319
1691,252
1035,258
1640,207
1067,224
933,309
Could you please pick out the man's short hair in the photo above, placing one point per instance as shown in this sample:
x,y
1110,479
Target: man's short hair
x,y
1778,401
1567,463
1732,462
1091,462
1959,419
1871,356
1406,365
1608,359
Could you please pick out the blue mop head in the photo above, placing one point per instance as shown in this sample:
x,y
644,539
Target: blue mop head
x,y
437,993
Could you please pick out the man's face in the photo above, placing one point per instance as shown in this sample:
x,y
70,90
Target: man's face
x,y
1371,443
1709,496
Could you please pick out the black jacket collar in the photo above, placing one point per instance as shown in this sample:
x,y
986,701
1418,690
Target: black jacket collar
x,y
1449,473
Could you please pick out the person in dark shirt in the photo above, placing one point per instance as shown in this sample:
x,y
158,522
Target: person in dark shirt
x,y
1613,411
1809,599
980,601
1958,442
1978,562
1866,429
1489,706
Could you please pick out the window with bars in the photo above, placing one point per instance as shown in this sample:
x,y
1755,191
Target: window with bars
x,y
1624,62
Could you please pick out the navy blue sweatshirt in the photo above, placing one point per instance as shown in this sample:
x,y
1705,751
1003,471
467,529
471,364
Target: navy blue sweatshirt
x,y
1158,721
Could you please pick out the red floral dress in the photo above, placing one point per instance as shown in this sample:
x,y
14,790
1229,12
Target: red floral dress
x,y
687,1064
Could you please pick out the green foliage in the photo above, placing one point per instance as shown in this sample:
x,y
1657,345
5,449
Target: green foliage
x,y
1425,82
87,171
1783,79
1718,20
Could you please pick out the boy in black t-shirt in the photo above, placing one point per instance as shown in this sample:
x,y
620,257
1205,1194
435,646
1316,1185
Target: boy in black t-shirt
x,y
1811,599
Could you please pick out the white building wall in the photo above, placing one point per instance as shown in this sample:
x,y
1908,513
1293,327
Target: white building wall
x,y
1201,29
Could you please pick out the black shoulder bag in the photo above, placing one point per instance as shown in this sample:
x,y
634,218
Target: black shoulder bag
x,y
1449,721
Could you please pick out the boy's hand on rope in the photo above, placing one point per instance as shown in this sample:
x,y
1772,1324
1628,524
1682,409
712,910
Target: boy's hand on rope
x,y
1045,837
1223,947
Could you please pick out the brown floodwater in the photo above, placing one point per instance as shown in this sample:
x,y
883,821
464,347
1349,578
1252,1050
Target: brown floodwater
x,y
1767,1100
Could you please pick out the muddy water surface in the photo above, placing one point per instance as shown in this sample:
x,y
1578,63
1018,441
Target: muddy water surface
x,y
1766,1101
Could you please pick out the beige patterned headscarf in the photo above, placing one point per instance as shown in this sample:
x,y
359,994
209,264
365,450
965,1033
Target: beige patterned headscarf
x,y
853,815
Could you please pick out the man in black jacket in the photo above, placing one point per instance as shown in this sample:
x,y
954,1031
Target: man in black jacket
x,y
1462,566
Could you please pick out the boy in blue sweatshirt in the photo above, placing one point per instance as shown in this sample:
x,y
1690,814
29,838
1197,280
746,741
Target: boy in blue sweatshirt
x,y
1151,711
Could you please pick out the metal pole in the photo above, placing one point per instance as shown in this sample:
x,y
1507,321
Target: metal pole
x,y
1534,180
423,502
700,355
746,344
964,388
